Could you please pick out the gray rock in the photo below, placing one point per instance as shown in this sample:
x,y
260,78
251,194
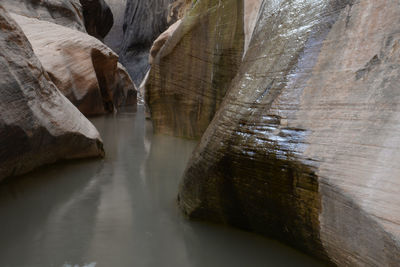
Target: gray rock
x,y
68,13
144,21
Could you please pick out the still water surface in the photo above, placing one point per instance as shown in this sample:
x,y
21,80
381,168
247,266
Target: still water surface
x,y
121,211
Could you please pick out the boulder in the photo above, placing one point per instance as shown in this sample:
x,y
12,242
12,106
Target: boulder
x,y
144,21
305,145
84,69
98,17
63,12
193,70
38,125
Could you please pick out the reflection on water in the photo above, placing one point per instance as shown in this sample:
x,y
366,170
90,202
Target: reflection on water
x,y
121,211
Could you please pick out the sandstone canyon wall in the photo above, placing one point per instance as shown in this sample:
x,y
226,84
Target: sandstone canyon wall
x,y
192,71
38,125
114,38
144,21
305,145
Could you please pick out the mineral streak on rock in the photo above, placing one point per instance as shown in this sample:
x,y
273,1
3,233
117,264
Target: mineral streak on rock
x,y
63,12
191,73
98,17
84,69
305,144
38,125
144,21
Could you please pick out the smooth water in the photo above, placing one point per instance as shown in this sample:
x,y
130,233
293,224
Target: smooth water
x,y
121,211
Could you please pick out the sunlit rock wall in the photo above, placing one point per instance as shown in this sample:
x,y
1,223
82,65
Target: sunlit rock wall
x,y
192,72
305,145
38,125
144,21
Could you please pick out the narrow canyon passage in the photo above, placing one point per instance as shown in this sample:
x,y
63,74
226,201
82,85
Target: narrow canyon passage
x,y
121,211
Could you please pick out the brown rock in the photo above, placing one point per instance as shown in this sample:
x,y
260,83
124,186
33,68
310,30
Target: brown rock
x,y
83,68
38,125
161,40
305,145
191,73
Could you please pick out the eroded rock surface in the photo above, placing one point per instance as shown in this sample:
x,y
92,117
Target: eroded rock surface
x,y
114,38
251,9
190,75
38,125
305,144
144,21
63,12
84,69
98,17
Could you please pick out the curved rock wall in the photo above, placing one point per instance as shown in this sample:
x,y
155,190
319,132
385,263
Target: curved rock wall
x,y
114,38
84,69
63,12
192,72
305,144
144,21
38,125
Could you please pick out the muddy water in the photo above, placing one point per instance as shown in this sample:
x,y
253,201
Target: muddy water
x,y
121,211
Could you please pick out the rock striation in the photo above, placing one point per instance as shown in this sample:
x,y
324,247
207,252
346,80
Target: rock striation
x,y
138,39
305,145
84,69
192,72
98,17
68,13
38,125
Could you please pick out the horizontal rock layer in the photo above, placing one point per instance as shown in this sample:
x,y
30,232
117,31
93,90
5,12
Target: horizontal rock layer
x,y
305,144
191,73
38,125
84,69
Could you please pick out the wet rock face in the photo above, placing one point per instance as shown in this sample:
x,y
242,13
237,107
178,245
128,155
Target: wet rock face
x,y
304,144
38,125
138,38
98,17
64,12
84,69
192,72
